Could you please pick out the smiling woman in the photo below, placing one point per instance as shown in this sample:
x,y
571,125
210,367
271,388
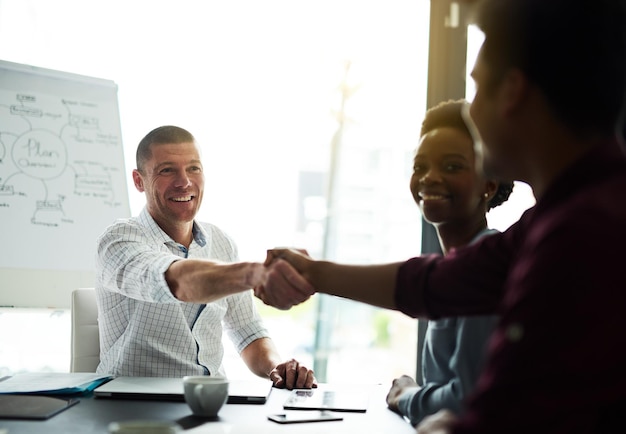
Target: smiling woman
x,y
454,196
306,117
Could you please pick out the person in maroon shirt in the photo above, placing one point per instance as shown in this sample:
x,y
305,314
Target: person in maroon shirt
x,y
549,111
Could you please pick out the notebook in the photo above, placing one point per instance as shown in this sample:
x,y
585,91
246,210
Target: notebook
x,y
171,389
334,400
32,406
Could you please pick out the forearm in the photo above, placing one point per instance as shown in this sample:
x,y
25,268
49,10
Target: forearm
x,y
432,398
261,356
371,284
201,281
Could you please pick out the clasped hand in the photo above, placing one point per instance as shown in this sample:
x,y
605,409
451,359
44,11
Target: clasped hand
x,y
285,284
292,375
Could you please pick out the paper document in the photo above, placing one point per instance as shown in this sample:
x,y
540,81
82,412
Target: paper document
x,y
52,383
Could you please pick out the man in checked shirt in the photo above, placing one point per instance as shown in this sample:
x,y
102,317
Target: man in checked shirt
x,y
168,285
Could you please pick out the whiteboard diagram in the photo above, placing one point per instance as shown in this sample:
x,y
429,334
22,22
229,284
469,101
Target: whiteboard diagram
x,y
62,177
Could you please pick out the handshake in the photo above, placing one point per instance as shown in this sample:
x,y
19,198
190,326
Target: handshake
x,y
286,279
290,276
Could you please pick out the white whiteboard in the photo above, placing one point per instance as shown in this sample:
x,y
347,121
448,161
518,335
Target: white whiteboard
x,y
62,179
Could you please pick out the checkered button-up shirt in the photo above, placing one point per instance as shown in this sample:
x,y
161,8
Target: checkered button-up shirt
x,y
144,329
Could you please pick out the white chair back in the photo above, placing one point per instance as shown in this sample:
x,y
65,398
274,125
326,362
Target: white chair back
x,y
85,334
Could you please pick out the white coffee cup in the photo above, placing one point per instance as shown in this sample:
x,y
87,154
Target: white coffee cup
x,y
205,394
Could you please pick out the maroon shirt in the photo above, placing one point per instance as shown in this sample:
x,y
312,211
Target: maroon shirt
x,y
557,359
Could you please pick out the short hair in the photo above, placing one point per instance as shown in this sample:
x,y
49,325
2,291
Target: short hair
x,y
160,136
448,114
573,50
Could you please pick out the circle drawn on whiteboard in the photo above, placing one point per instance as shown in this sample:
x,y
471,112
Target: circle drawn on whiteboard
x,y
40,154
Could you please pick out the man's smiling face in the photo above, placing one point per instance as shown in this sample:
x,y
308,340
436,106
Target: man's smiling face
x,y
173,180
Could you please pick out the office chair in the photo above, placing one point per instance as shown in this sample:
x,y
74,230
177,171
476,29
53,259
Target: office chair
x,y
85,335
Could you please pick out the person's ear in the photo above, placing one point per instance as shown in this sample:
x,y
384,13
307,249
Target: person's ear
x,y
513,91
138,180
490,190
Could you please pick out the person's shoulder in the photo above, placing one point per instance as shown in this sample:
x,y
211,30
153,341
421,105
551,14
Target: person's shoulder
x,y
483,234
122,226
584,226
598,206
124,223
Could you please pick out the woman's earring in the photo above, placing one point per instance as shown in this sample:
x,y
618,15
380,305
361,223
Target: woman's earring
x,y
486,195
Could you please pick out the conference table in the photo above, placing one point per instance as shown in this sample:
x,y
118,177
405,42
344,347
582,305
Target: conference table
x,y
93,415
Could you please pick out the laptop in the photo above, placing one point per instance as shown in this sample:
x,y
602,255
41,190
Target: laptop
x,y
333,400
171,389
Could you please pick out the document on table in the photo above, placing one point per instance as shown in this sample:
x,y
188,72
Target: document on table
x,y
52,383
